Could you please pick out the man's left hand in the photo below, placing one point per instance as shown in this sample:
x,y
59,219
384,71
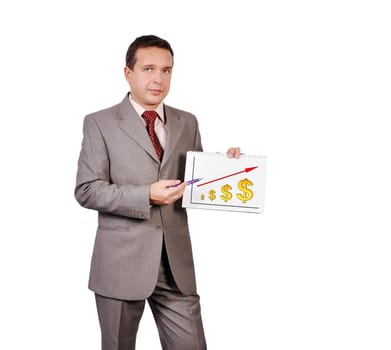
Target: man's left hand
x,y
233,152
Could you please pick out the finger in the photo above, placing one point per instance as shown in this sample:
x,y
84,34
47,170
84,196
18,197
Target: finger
x,y
181,187
169,183
233,152
230,152
178,190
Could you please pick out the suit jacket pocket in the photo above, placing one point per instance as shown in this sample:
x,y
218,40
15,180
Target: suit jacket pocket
x,y
113,222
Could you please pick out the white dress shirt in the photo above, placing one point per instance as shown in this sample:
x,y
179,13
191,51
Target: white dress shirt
x,y
159,126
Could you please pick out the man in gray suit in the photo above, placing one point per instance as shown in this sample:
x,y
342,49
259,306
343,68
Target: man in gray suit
x,y
131,170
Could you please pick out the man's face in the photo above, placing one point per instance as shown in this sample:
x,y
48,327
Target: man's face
x,y
151,76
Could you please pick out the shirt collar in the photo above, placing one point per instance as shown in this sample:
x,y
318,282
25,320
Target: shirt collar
x,y
140,109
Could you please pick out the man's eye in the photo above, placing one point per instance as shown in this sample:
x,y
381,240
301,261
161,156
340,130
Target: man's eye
x,y
167,71
148,69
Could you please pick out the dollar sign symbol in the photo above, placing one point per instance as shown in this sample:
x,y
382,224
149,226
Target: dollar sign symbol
x,y
212,195
227,195
247,193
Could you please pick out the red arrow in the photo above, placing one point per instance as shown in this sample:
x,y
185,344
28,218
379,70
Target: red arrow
x,y
246,170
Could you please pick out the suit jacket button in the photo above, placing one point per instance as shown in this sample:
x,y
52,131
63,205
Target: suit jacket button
x,y
158,228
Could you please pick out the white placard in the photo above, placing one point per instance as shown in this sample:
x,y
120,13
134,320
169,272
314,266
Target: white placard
x,y
227,183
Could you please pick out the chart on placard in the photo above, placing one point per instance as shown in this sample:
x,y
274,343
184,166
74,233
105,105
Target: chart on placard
x,y
222,183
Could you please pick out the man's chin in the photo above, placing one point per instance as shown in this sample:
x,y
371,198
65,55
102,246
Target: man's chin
x,y
156,99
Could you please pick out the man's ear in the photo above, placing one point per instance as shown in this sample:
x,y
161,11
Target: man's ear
x,y
127,73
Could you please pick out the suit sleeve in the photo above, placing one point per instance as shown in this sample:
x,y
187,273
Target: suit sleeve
x,y
93,188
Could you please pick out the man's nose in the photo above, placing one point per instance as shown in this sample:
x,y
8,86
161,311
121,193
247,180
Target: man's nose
x,y
158,77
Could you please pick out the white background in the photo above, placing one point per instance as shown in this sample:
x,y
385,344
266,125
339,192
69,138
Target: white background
x,y
312,272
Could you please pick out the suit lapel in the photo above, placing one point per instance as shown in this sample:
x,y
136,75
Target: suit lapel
x,y
174,130
129,121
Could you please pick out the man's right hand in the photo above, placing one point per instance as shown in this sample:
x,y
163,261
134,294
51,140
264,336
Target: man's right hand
x,y
162,192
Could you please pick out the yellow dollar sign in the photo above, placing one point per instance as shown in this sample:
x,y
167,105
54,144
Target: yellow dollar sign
x,y
227,195
212,195
247,193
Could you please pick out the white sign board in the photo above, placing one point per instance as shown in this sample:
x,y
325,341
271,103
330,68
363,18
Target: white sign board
x,y
221,183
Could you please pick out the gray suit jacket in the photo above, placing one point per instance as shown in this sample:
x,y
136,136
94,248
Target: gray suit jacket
x,y
116,167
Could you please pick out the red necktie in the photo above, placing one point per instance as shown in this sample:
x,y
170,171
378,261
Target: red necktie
x,y
150,117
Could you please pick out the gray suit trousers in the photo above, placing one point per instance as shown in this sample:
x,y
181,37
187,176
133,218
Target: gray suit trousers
x,y
178,317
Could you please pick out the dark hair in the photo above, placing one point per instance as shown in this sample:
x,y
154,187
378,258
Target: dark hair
x,y
142,42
